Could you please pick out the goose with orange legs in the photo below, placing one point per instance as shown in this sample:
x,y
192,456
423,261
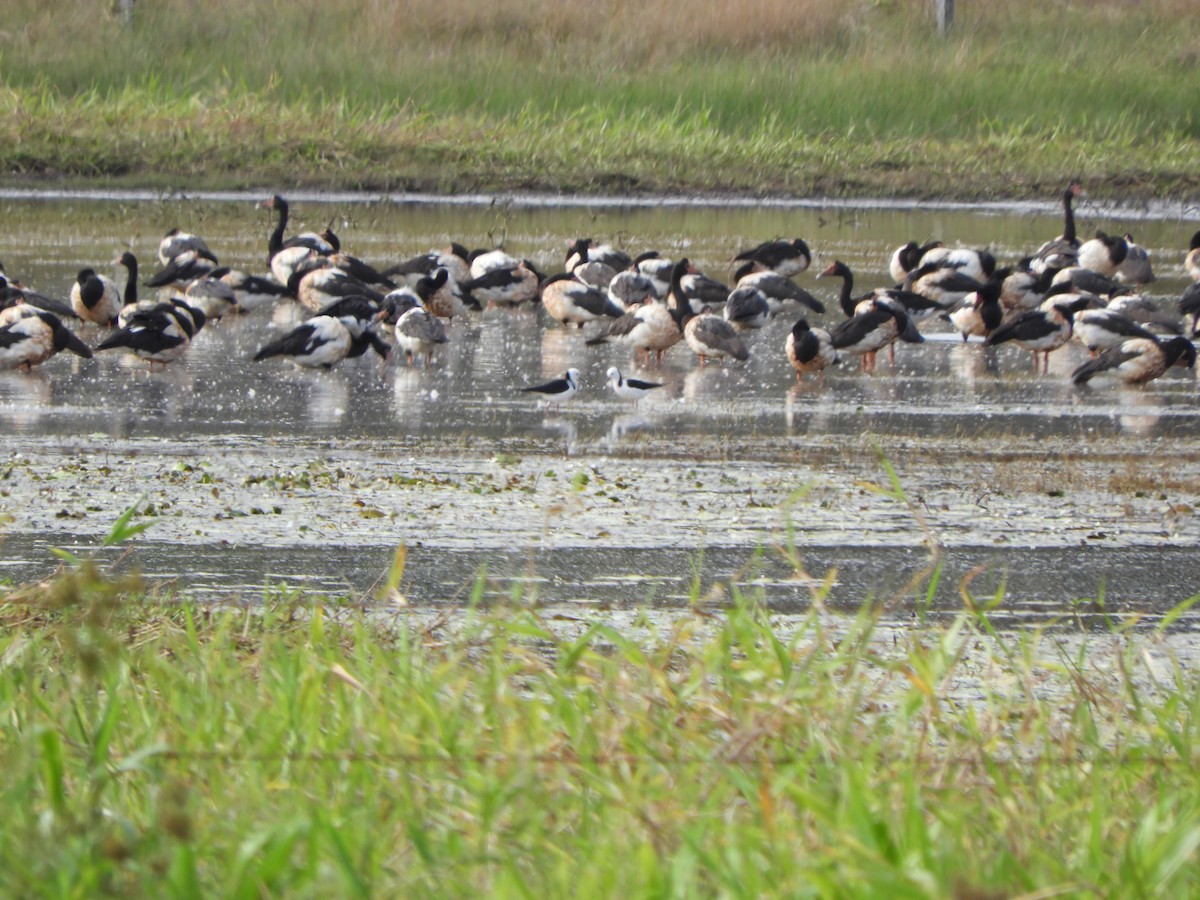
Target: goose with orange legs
x,y
809,350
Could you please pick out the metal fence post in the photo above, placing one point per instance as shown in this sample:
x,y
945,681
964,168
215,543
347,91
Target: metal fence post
x,y
124,11
945,15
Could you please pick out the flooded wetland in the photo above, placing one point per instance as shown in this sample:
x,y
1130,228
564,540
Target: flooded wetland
x,y
260,474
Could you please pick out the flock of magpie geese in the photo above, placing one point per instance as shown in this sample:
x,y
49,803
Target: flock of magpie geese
x,y
1067,288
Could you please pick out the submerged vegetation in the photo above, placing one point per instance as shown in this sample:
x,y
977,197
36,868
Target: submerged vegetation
x,y
157,746
844,98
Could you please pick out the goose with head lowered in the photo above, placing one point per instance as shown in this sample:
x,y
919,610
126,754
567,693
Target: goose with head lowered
x,y
94,298
176,242
785,257
809,350
655,326
1103,254
1103,329
1042,330
1138,360
572,302
712,337
778,289
980,312
907,257
182,270
159,333
876,325
511,286
316,343
1136,267
585,250
417,331
29,336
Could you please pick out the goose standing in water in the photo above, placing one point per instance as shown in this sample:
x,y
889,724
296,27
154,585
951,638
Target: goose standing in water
x,y
1041,330
319,342
30,336
712,337
1063,250
572,302
1191,262
980,313
785,257
176,242
1136,268
94,298
1103,253
778,289
1138,360
160,333
879,324
809,350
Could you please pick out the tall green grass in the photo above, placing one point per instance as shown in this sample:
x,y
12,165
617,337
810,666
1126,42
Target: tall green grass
x,y
1100,89
155,746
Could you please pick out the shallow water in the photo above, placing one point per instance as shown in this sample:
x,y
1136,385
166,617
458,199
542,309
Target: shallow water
x,y
260,473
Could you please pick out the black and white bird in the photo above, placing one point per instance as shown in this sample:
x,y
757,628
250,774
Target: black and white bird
x,y
785,257
712,337
319,342
914,306
976,264
455,259
980,313
212,295
1138,360
572,302
176,242
1189,308
1062,251
876,324
1103,329
1104,253
30,336
14,294
747,308
1136,268
778,289
584,250
809,350
418,332
322,284
631,288
159,333
630,388
558,391
95,298
253,291
1042,330
657,268
906,258
324,243
509,286
181,270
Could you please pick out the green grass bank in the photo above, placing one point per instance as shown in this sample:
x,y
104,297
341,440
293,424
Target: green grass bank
x,y
157,747
754,97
